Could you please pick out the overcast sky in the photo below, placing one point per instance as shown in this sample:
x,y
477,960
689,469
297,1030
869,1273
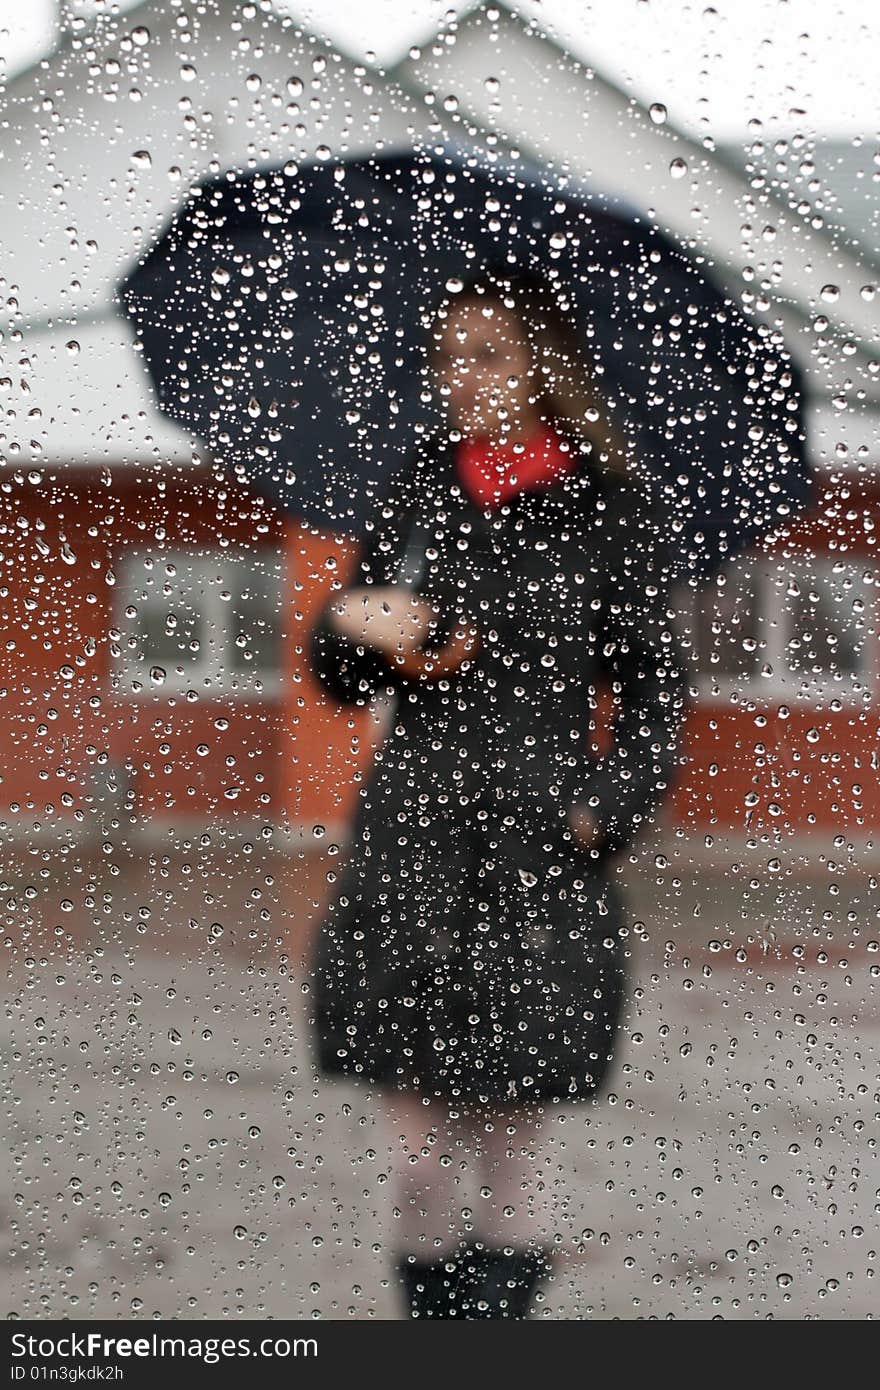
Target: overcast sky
x,y
715,67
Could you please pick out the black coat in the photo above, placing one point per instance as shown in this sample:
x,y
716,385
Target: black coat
x,y
473,947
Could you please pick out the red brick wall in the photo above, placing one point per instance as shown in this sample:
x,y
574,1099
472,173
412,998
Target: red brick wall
x,y
296,754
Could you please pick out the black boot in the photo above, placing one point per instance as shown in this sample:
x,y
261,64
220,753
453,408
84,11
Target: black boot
x,y
435,1288
474,1260
508,1279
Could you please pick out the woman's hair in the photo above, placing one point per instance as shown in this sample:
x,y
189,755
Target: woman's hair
x,y
564,390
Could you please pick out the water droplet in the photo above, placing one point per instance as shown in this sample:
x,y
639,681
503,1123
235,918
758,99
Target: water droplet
x,y
73,347
140,35
158,675
142,159
830,293
678,168
188,73
658,113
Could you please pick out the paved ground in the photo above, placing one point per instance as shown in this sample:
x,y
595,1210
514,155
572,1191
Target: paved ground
x,y
173,1156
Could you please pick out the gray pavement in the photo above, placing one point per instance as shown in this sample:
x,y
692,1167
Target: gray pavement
x,y
172,1154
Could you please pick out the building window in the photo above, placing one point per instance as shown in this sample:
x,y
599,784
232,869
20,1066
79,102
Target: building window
x,y
199,620
798,627
826,626
729,628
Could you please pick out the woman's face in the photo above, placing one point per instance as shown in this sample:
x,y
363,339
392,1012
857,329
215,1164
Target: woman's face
x,y
483,368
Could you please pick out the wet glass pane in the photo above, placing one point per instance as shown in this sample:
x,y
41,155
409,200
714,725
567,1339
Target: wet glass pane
x,y
438,800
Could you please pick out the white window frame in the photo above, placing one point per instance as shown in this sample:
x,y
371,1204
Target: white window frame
x,y
207,674
786,683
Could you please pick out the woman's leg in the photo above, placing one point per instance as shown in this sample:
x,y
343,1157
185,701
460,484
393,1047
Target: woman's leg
x,y
516,1191
438,1150
431,1160
442,1151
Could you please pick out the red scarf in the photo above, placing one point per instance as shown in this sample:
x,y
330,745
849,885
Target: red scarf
x,y
492,472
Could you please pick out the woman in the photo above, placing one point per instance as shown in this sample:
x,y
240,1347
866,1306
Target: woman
x,y
471,965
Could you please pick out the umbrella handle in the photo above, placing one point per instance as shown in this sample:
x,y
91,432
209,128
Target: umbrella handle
x,y
433,663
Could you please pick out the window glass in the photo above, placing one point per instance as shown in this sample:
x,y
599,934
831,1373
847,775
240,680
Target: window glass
x,y
199,618
729,623
770,626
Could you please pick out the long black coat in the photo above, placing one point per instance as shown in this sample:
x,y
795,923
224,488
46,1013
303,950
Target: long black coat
x,y
472,948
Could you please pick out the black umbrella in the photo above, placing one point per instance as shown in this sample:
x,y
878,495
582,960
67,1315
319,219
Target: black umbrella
x,y
283,320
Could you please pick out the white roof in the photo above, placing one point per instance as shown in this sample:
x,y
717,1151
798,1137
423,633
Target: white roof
x,y
87,399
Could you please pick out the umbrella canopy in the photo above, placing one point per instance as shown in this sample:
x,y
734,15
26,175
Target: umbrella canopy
x,y
284,313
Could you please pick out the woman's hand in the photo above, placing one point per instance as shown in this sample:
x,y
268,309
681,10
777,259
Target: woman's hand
x,y
390,618
584,826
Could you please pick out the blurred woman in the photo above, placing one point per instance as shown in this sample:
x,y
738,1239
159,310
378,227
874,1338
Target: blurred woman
x,y
470,969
